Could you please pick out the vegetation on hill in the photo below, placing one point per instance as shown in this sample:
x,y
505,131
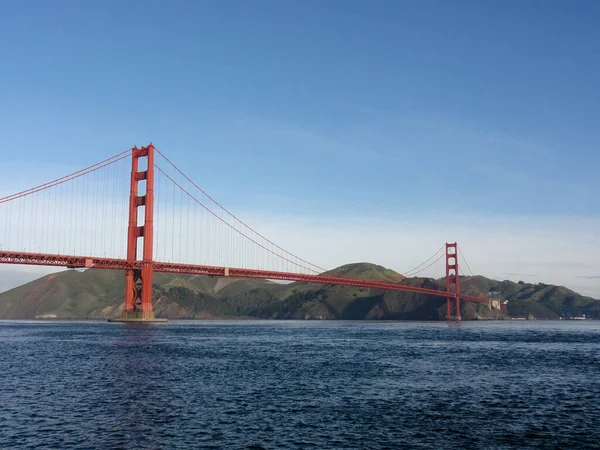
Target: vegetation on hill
x,y
366,271
540,301
99,294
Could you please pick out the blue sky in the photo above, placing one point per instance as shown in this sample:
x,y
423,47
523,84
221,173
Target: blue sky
x,y
425,112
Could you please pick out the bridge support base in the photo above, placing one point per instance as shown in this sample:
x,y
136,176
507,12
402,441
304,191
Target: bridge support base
x,y
137,316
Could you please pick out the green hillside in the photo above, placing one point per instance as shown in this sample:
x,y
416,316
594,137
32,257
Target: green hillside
x,y
366,271
99,294
541,301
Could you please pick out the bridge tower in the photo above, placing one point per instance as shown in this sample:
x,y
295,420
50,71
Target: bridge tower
x,y
452,282
138,282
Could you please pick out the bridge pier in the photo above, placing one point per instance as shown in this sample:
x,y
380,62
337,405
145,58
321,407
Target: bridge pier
x,y
453,311
137,316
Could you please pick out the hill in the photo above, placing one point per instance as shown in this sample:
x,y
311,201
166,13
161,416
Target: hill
x,y
98,294
539,300
95,294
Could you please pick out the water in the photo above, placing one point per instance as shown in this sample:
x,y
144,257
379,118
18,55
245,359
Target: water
x,y
270,384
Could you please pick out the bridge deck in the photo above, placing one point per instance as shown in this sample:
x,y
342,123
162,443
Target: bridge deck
x,y
72,261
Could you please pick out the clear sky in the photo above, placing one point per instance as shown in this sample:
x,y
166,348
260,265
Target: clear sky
x,y
363,125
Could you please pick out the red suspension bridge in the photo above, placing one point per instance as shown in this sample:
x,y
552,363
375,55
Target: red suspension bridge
x,y
137,212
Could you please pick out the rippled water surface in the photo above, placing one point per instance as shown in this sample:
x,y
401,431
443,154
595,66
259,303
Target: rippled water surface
x,y
300,385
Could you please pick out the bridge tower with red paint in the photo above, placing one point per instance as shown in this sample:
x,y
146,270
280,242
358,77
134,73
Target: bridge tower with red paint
x,y
452,282
138,282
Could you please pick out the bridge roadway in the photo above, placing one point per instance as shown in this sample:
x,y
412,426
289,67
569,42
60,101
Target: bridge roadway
x,y
92,262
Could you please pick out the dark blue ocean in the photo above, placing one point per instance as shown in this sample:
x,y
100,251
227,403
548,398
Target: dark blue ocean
x,y
270,384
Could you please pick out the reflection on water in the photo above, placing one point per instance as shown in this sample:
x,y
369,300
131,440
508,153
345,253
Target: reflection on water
x,y
136,388
266,384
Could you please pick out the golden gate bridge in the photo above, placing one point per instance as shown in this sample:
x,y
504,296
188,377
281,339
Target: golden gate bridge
x,y
139,213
